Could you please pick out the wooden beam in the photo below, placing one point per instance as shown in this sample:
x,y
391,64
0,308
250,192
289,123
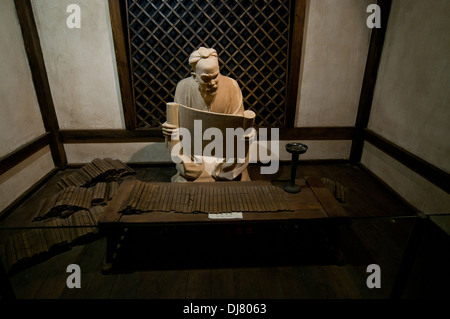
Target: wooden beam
x,y
111,136
40,80
295,55
12,159
310,133
369,80
317,133
425,169
119,26
155,135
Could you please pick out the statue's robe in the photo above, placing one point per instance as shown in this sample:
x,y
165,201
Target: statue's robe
x,y
228,100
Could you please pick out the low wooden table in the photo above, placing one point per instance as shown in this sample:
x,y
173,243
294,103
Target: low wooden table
x,y
314,202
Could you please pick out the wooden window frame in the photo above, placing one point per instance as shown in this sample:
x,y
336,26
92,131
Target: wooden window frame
x,y
119,25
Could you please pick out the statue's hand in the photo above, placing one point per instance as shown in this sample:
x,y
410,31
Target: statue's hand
x,y
169,130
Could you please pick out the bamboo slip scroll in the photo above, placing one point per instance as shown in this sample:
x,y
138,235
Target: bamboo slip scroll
x,y
145,197
196,122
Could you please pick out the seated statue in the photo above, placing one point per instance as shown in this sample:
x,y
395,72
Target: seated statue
x,y
208,90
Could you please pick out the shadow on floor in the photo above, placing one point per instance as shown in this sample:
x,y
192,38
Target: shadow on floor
x,y
235,246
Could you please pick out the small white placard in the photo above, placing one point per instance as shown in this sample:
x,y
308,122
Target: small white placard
x,y
225,215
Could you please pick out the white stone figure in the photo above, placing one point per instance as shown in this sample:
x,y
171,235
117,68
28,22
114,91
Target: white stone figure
x,y
210,91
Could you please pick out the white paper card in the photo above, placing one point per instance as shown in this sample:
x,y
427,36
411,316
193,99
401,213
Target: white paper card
x,y
226,215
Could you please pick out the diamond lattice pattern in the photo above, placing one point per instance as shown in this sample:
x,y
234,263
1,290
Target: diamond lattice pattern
x,y
251,38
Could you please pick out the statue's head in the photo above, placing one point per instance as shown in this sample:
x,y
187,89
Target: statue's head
x,y
205,65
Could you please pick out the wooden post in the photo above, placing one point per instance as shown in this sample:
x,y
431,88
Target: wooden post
x,y
40,80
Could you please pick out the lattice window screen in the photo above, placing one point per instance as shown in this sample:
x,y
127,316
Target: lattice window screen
x,y
251,38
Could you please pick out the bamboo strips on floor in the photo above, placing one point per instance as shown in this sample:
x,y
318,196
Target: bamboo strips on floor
x,y
335,188
97,171
21,247
75,198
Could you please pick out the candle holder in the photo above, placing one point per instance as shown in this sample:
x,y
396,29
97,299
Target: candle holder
x,y
295,149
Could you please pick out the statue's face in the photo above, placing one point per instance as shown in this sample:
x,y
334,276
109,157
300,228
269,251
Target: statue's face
x,y
207,74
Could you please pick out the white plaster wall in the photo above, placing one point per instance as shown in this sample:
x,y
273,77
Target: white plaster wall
x,y
411,105
317,150
336,42
126,152
416,190
24,175
20,117
80,64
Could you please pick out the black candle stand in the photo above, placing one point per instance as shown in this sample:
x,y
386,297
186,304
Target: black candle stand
x,y
295,149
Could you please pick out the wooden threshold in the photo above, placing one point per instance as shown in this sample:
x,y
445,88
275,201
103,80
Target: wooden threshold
x,y
22,153
435,175
18,201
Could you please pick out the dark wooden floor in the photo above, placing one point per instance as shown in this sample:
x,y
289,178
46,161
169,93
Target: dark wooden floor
x,y
245,263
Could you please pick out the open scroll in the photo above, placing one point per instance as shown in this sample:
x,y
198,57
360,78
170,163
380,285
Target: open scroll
x,y
211,134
